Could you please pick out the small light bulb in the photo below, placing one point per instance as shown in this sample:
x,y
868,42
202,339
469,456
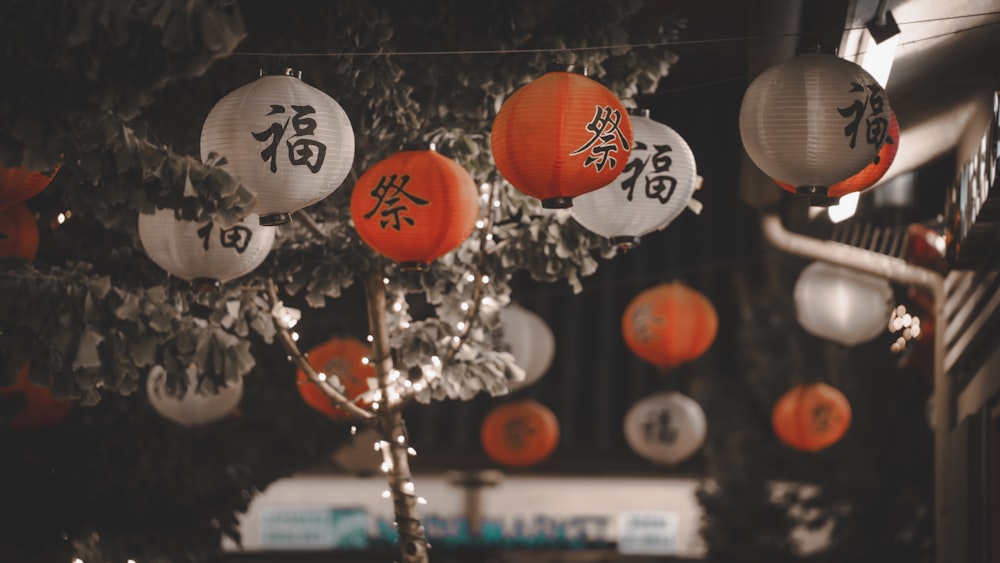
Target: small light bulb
x,y
411,451
470,278
460,325
371,338
365,360
479,224
295,337
385,281
61,218
465,306
486,279
321,376
421,500
386,494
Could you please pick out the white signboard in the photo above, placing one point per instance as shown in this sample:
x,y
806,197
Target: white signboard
x,y
296,527
648,532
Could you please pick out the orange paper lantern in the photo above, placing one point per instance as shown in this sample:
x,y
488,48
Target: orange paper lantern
x,y
343,357
561,136
415,206
811,417
40,409
520,433
18,233
669,324
20,184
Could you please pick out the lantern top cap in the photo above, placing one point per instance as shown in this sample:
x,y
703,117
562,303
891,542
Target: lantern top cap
x,y
641,112
816,49
564,67
281,71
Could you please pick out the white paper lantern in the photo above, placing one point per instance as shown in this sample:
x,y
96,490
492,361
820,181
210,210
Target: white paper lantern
x,y
813,120
652,190
666,427
290,143
531,343
193,408
842,305
204,253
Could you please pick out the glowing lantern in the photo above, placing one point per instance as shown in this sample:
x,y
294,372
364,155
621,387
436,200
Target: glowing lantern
x,y
531,343
520,433
811,417
814,120
669,324
204,253
665,428
18,233
193,408
561,136
40,408
344,358
414,207
655,186
20,184
842,305
288,142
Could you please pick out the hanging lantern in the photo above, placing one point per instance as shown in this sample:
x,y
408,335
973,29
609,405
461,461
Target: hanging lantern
x,y
842,305
20,184
288,142
531,343
665,428
520,433
669,324
655,186
415,206
193,408
40,409
811,417
814,120
18,233
205,254
561,136
346,358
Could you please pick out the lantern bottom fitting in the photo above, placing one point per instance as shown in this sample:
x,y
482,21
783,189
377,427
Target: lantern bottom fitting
x,y
275,219
414,266
625,243
204,285
557,203
818,195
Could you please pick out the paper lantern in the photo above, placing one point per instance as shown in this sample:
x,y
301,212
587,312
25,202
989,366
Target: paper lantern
x,y
842,305
18,233
655,186
20,184
561,136
669,324
344,358
531,343
519,433
811,417
814,120
290,143
193,408
40,409
414,207
665,428
204,253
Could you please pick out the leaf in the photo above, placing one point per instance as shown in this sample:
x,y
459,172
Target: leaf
x,y
87,355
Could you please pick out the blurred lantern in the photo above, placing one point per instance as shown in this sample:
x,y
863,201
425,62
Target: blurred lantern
x,y
813,121
842,305
669,324
204,253
40,409
359,456
345,358
194,407
655,186
20,184
288,142
531,343
414,207
665,428
18,233
520,433
811,416
561,136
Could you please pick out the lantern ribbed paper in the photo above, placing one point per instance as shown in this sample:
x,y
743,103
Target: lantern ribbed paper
x,y
665,428
561,136
531,343
811,417
20,184
193,408
655,186
842,305
18,233
669,324
288,142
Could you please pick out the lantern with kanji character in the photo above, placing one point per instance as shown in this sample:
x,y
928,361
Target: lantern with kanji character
x,y
347,359
195,407
38,409
841,304
811,416
18,233
415,206
20,184
561,136
290,143
531,343
669,324
665,428
520,433
655,186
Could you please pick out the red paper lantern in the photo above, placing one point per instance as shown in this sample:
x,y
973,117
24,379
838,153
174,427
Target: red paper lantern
x,y
811,417
40,409
520,433
343,357
669,324
415,206
18,233
561,136
20,184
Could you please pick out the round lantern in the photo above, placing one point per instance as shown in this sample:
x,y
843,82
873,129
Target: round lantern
x,y
653,189
531,343
814,120
40,408
842,305
665,428
193,408
345,358
204,253
414,207
561,136
20,184
811,417
669,324
520,433
288,142
18,233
